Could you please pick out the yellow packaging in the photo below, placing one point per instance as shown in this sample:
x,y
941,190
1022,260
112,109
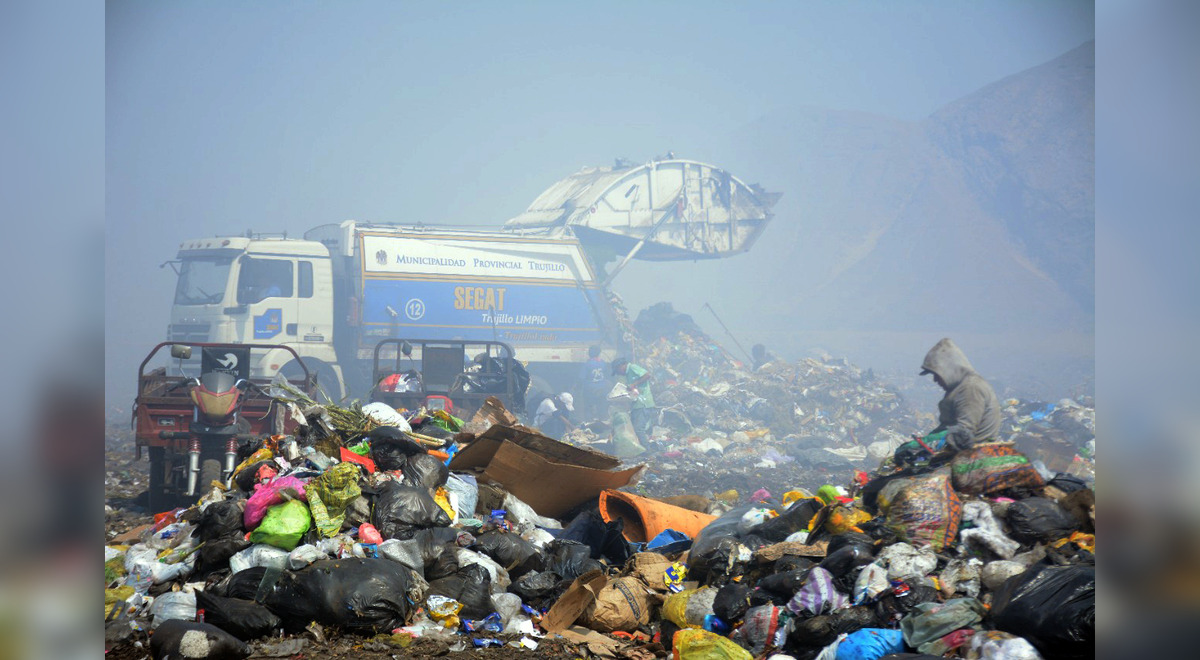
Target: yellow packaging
x,y
795,496
844,519
264,453
676,607
699,644
442,497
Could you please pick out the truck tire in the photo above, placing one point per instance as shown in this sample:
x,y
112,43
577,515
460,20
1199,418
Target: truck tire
x,y
329,389
157,499
210,471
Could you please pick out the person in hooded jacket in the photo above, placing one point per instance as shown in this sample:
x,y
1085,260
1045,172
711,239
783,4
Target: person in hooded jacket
x,y
969,413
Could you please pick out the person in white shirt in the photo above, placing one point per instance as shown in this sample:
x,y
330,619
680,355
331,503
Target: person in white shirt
x,y
552,414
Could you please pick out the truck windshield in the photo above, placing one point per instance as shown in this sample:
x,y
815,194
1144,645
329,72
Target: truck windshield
x,y
202,281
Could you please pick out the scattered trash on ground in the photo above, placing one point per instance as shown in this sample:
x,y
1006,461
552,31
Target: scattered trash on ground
x,y
765,517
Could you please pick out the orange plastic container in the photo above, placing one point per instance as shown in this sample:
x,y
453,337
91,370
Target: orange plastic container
x,y
646,518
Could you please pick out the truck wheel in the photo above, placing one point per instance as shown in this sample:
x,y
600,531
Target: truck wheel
x,y
329,389
157,500
210,471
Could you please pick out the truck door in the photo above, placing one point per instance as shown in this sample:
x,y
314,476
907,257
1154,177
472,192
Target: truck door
x,y
267,291
314,300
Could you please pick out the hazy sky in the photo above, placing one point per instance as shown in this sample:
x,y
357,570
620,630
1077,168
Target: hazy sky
x,y
281,116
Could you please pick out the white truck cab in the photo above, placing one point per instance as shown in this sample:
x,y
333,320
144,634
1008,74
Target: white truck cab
x,y
259,290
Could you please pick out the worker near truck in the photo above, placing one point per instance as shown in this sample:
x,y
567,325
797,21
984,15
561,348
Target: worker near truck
x,y
593,384
637,379
553,415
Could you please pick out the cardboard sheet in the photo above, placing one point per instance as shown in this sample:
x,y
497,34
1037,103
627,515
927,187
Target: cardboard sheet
x,y
548,475
569,606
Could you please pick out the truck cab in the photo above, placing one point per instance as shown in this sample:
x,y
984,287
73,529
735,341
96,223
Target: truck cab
x,y
246,290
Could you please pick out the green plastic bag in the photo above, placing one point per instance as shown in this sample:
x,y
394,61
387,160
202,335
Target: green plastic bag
x,y
625,440
283,526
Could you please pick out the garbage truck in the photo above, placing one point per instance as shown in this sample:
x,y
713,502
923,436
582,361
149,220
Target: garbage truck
x,y
538,282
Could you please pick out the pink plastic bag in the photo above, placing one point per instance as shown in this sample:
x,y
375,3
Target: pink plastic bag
x,y
268,495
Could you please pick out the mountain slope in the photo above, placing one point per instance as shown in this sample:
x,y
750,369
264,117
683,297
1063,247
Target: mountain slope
x,y
977,220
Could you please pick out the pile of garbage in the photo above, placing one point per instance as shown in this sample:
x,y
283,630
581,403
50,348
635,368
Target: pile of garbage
x,y
400,526
803,423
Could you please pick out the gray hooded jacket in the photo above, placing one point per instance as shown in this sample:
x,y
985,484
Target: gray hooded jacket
x,y
970,412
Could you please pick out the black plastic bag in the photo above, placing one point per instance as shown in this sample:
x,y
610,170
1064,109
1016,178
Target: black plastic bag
x,y
437,535
845,559
1067,483
219,519
534,586
400,511
244,619
440,562
245,478
425,471
843,565
390,447
606,539
716,538
471,586
784,584
1054,607
429,428
819,631
792,563
891,607
795,519
1040,519
732,601
215,553
851,538
514,553
365,596
569,559
175,638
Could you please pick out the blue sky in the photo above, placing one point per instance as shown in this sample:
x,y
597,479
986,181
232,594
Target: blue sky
x,y
275,116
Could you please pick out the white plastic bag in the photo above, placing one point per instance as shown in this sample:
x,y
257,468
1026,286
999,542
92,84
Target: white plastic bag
x,y
830,652
520,512
169,536
996,645
508,606
173,605
872,581
907,563
537,536
753,518
303,555
259,555
467,489
143,568
385,415
985,531
407,552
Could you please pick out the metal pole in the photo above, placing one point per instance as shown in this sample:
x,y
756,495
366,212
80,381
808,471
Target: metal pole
x,y
735,341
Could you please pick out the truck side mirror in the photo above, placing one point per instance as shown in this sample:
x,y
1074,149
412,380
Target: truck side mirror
x,y
406,349
181,352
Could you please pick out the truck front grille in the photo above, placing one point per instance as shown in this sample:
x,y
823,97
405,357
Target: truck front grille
x,y
191,332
